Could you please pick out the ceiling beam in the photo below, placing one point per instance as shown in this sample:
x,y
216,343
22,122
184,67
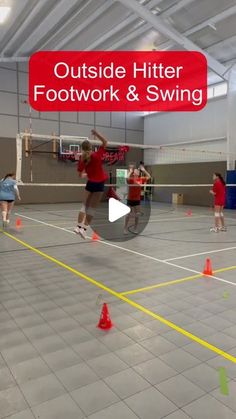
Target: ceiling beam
x,y
176,7
13,59
93,16
210,21
130,19
40,31
68,22
160,26
20,28
146,26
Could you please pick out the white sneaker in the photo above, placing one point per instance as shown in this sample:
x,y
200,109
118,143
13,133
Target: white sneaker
x,y
223,229
214,230
135,231
4,224
81,231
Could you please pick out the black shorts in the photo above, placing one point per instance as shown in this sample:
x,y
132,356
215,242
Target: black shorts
x,y
95,186
133,203
9,201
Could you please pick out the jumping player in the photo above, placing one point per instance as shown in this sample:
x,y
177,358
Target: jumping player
x,y
90,166
134,194
219,192
8,193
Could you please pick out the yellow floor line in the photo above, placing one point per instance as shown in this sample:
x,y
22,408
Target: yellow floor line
x,y
162,284
161,319
176,281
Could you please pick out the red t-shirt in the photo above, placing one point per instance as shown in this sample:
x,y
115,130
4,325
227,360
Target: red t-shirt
x,y
134,193
94,168
220,192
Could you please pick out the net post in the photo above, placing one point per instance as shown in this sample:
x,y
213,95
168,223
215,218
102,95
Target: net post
x,y
18,158
54,145
231,121
26,137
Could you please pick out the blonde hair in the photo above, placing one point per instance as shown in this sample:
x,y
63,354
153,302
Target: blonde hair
x,y
86,151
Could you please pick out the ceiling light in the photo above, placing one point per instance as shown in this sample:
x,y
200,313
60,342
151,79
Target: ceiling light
x,y
4,12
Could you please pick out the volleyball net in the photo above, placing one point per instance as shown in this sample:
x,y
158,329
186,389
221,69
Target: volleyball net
x,y
178,174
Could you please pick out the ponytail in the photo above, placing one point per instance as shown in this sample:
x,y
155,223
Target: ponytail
x,y
86,151
86,157
221,178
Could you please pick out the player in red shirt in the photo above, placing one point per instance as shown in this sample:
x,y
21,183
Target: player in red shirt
x,y
219,192
90,166
134,194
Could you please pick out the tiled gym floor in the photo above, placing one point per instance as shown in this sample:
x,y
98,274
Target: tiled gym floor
x,y
56,364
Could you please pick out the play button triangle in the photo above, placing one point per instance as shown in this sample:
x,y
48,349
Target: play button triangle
x,y
117,210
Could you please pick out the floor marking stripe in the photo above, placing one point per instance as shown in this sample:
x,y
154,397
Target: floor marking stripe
x,y
162,284
223,381
173,326
200,254
130,251
177,281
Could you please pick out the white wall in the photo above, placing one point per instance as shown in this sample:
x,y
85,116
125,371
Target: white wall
x,y
167,128
189,128
14,114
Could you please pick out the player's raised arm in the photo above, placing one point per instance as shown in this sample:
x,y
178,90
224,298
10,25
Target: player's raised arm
x,y
101,137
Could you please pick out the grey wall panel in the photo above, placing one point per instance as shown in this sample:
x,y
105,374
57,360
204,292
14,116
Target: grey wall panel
x,y
7,155
9,66
24,108
68,116
40,126
23,83
23,67
113,134
103,119
118,119
8,103
86,118
75,129
8,126
8,81
135,121
134,137
49,115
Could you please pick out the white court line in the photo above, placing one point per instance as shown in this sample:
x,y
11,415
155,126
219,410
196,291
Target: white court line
x,y
199,254
130,251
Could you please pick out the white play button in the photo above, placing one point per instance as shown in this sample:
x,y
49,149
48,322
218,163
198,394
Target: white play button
x,y
116,210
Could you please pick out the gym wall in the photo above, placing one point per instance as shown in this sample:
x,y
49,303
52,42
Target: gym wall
x,y
186,173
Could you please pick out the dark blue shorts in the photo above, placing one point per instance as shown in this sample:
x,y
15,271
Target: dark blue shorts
x,y
131,203
95,186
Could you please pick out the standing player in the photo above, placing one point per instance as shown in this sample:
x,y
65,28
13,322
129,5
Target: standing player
x,y
135,181
219,192
90,166
8,193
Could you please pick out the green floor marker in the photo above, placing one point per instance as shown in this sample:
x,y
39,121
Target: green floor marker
x,y
226,294
223,381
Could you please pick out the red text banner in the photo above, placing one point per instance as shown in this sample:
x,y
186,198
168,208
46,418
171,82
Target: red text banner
x,y
118,81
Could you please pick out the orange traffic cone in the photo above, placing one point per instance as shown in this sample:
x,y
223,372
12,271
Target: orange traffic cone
x,y
189,213
95,236
105,320
18,223
208,268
